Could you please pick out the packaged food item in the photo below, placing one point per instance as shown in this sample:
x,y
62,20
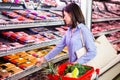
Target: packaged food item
x,y
38,54
15,70
2,22
4,0
18,61
34,61
7,66
65,49
10,35
44,52
22,54
29,57
24,38
26,65
16,45
11,57
31,52
4,74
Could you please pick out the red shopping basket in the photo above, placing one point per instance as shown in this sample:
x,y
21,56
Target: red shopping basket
x,y
61,68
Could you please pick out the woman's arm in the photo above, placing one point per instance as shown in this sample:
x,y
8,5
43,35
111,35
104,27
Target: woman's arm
x,y
59,47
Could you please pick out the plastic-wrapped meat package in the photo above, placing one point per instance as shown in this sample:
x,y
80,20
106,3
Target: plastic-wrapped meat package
x,y
49,3
4,74
16,45
95,16
98,5
10,14
31,16
61,30
2,22
48,35
22,12
3,47
15,21
39,38
10,35
114,8
24,38
37,30
110,14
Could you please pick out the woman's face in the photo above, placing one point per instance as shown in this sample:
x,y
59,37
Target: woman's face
x,y
67,18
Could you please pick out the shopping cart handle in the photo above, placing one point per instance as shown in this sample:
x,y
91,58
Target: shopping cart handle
x,y
97,71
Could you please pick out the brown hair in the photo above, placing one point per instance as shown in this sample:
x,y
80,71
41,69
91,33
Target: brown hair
x,y
76,14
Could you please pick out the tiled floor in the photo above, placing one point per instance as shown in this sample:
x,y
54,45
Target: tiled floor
x,y
111,74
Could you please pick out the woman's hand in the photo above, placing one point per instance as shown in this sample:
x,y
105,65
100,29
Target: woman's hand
x,y
40,61
75,62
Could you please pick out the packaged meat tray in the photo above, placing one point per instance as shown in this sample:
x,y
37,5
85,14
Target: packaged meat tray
x,y
18,61
26,65
15,70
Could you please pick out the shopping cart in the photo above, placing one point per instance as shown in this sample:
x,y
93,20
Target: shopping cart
x,y
61,68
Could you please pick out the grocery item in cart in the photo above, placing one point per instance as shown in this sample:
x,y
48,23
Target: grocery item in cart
x,y
76,72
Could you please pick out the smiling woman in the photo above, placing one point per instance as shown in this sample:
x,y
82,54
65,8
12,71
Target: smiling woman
x,y
74,19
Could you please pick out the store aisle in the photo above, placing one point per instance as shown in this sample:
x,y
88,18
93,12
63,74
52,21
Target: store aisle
x,y
112,73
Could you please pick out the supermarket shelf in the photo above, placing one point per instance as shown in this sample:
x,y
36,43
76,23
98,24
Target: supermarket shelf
x,y
29,47
108,1
56,12
8,6
35,68
106,32
105,19
115,41
34,24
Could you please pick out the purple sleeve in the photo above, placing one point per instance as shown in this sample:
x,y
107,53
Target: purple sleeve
x,y
59,47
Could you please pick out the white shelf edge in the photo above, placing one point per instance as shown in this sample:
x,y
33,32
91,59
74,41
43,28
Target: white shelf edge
x,y
29,47
106,32
104,19
29,25
115,41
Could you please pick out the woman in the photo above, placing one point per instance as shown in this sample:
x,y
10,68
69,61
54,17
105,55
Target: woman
x,y
74,19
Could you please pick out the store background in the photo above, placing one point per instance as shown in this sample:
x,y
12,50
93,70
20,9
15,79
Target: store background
x,y
102,17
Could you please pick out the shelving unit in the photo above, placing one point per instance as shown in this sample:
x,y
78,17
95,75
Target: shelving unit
x,y
101,30
26,47
29,47
41,23
33,69
104,19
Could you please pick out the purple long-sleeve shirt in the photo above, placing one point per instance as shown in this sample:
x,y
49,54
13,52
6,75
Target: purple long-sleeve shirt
x,y
73,42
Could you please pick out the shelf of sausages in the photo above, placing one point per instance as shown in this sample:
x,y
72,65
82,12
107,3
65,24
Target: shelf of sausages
x,y
28,18
21,64
105,27
103,11
16,41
